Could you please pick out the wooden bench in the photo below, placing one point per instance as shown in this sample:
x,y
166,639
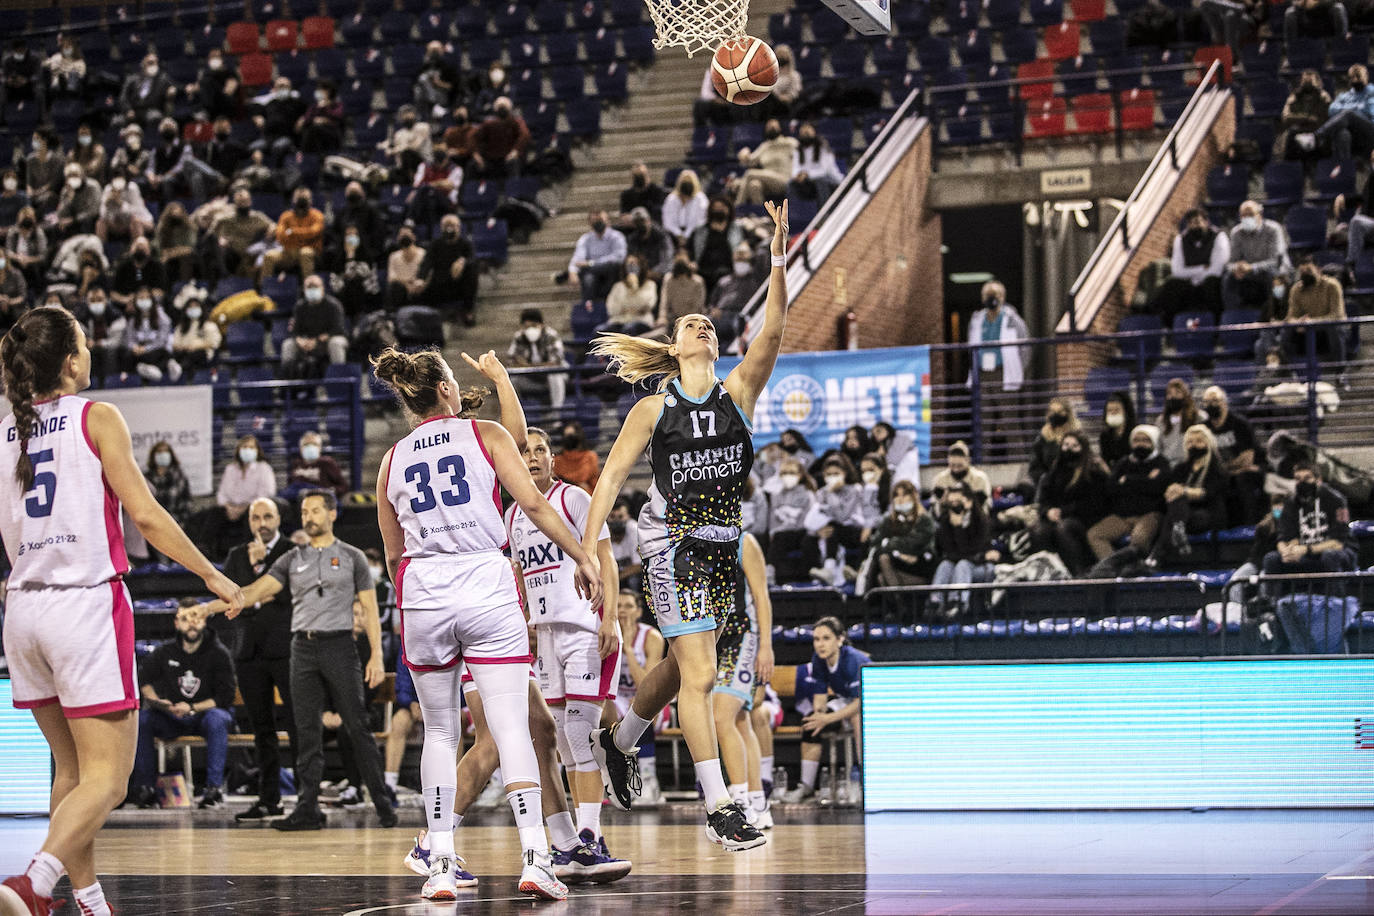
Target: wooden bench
x,y
385,697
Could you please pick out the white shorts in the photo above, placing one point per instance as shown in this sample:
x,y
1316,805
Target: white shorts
x,y
460,608
74,647
570,666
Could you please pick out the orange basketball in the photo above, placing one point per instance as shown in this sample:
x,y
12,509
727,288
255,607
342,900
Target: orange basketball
x,y
744,70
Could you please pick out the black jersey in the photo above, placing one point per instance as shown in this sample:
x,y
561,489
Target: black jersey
x,y
701,453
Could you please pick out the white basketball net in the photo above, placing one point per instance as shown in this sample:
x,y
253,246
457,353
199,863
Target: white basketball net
x,y
697,25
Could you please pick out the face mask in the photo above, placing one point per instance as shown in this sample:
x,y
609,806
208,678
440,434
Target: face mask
x,y
834,481
37,145
598,226
616,528
638,181
310,452
1278,292
687,189
1307,489
134,144
118,183
956,509
1309,279
903,508
215,63
1250,223
352,240
990,302
96,308
11,184
532,334
68,52
571,440
321,97
1115,420
1276,512
1070,455
355,198
83,139
681,270
959,475
1213,408
194,313
460,120
222,135
314,294
407,241
1357,85
450,232
1058,419
1196,452
241,209
376,573
163,459
3,263
74,183
498,76
772,133
168,135
632,270
742,268
302,205
140,256
1141,452
790,447
1173,405
143,304
248,455
718,216
283,93
1194,235
150,70
789,480
872,476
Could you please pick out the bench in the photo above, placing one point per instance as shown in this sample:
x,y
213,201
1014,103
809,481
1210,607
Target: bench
x,y
385,697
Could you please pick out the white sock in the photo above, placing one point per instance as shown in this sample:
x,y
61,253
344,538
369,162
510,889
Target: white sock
x,y
810,769
739,792
712,783
43,873
441,843
766,767
91,900
562,831
629,731
392,779
648,767
589,818
439,809
457,819
758,800
525,803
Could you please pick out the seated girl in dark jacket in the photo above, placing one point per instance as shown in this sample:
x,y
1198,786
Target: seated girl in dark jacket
x,y
1195,500
1071,499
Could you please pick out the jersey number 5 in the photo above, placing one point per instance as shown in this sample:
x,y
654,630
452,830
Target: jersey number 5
x,y
703,416
456,495
44,486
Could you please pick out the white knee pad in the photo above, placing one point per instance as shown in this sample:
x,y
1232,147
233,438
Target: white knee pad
x,y
439,692
581,718
505,699
560,721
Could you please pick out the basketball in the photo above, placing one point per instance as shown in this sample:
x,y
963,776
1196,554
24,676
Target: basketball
x,y
744,71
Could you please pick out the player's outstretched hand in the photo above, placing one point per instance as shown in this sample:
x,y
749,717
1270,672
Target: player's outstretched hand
x,y
489,365
588,581
779,217
227,591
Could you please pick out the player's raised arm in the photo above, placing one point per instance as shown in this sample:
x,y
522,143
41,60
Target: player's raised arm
x,y
629,445
512,413
115,447
748,378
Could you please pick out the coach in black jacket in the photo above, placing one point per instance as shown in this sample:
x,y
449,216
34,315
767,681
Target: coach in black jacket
x,y
261,641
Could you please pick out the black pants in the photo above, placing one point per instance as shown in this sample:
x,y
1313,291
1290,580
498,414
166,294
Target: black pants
x,y
1066,537
325,670
257,678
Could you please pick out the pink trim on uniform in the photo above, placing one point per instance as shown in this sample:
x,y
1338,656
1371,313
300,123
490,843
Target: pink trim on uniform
x,y
457,660
607,684
114,533
123,617
400,577
504,660
86,430
34,704
554,701
496,484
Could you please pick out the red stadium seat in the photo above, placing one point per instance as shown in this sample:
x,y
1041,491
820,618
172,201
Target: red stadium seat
x,y
1046,118
1138,109
1088,10
281,35
242,37
1092,113
255,69
1036,69
1204,58
318,32
1061,41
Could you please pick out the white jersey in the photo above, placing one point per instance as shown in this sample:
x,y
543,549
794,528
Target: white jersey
x,y
626,690
443,486
550,587
64,531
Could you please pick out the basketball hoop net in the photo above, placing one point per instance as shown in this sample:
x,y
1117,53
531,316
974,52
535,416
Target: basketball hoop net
x,y
697,25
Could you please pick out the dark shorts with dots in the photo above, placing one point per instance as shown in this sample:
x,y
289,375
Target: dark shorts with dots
x,y
693,585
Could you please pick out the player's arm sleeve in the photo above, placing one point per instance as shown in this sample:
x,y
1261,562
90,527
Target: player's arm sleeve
x,y
281,569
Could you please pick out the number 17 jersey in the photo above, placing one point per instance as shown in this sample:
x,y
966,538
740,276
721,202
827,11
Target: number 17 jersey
x,y
444,488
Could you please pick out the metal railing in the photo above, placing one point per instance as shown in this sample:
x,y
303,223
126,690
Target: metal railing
x,y
299,398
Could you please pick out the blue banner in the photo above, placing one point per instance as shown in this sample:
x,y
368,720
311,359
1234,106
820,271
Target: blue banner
x,y
823,394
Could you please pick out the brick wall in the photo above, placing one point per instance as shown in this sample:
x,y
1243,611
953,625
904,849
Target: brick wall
x,y
1075,360
887,268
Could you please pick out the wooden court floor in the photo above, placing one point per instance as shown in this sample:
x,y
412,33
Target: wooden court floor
x,y
816,862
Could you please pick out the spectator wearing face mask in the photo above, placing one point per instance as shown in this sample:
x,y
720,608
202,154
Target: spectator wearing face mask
x,y
410,143
26,244
138,270
167,481
834,529
320,128
963,540
960,472
1265,541
684,210
21,78
404,285
216,88
89,154
79,203
1259,254
300,231
174,242
499,143
712,246
459,137
13,198
437,82
768,167
239,234
1180,414
649,243
791,498
794,445
1134,495
123,215
597,258
643,192
732,293
1197,263
1070,499
536,345
575,463
1118,422
1304,111
449,270
904,540
14,293
815,173
175,168
1060,421
489,87
625,544
104,324
318,333
1001,369
354,281
66,70
43,169
1237,448
1195,498
311,469
246,478
147,338
367,222
148,94
876,483
131,160
684,293
222,152
1314,529
1315,297
435,188
277,114
631,303
196,339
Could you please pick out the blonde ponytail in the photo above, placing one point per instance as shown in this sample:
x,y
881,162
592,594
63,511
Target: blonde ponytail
x,y
637,359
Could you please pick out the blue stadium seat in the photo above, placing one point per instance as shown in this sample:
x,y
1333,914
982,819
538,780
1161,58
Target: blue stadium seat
x,y
550,16
1107,36
341,380
1346,52
964,131
612,82
745,136
1234,377
1237,342
585,318
470,20
567,82
432,25
932,53
890,55
1227,186
478,199
1267,97
828,29
1078,75
1282,183
1332,178
524,52
1194,334
800,213
394,27
483,52
490,241
974,48
407,59
260,424
785,28
1101,382
808,61
1306,54
1046,12
1306,227
1003,14
122,380
961,15
992,85
1262,59
296,424
600,46
356,30
638,42
243,342
1020,46
562,48
526,86
847,59
709,145
369,63
588,15
284,291
509,19
1149,345
584,118
839,133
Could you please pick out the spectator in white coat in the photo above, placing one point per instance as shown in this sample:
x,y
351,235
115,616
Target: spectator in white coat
x,y
1001,372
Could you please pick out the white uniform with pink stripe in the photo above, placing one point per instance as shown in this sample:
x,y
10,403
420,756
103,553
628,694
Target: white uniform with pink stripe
x,y
455,588
568,664
69,626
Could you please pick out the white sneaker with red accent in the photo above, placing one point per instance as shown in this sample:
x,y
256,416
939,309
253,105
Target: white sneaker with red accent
x,y
537,878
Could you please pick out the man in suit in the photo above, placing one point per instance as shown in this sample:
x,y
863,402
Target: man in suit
x,y
261,642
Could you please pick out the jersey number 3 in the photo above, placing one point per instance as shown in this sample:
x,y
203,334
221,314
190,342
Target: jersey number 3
x,y
44,486
456,495
703,416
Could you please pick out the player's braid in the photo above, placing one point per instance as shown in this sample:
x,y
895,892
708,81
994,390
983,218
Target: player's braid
x,y
32,355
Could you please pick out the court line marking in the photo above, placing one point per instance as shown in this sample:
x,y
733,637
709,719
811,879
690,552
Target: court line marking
x,y
775,891
1349,877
